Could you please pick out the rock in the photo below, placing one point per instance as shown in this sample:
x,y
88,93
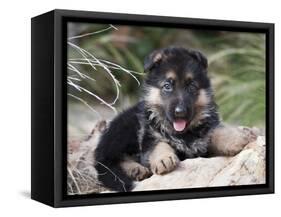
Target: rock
x,y
247,167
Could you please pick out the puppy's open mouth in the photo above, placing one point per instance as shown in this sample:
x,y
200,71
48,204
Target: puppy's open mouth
x,y
180,125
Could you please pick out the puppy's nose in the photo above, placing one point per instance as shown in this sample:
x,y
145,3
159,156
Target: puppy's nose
x,y
180,111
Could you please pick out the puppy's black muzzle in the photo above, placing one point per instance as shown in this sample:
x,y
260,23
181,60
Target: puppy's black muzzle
x,y
180,111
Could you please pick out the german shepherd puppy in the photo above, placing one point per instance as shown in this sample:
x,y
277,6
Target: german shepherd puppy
x,y
176,119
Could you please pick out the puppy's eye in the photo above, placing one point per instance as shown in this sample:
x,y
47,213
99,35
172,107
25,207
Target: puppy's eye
x,y
167,87
192,87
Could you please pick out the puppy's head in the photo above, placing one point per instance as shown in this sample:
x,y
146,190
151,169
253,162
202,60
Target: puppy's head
x,y
177,83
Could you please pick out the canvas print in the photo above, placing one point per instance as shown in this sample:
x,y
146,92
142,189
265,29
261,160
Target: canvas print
x,y
156,108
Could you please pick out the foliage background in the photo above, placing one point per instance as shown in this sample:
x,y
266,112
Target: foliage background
x,y
236,67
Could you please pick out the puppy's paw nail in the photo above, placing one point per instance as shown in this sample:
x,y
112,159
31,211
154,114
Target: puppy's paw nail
x,y
165,164
139,173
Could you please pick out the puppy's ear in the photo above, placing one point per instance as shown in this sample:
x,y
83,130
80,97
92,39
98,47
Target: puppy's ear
x,y
201,58
153,59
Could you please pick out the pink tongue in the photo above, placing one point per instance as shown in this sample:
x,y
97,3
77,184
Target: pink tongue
x,y
179,125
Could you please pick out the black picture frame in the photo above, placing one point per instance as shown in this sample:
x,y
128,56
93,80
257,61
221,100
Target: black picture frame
x,y
49,134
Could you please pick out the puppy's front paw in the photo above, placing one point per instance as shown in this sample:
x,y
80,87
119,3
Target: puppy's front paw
x,y
165,164
135,170
228,140
248,134
243,137
139,172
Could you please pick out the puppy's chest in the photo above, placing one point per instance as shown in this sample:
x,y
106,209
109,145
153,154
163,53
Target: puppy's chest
x,y
187,146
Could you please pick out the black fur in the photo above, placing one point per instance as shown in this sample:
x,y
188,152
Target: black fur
x,y
136,131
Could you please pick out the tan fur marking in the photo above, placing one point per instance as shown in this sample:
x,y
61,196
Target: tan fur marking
x,y
171,75
229,140
203,99
163,159
134,170
153,96
157,57
189,76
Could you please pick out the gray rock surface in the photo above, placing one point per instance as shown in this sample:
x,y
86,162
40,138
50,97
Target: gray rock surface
x,y
247,167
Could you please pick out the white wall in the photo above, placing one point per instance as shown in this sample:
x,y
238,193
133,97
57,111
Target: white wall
x,y
15,105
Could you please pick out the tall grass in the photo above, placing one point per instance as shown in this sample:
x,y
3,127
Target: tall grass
x,y
236,65
239,80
